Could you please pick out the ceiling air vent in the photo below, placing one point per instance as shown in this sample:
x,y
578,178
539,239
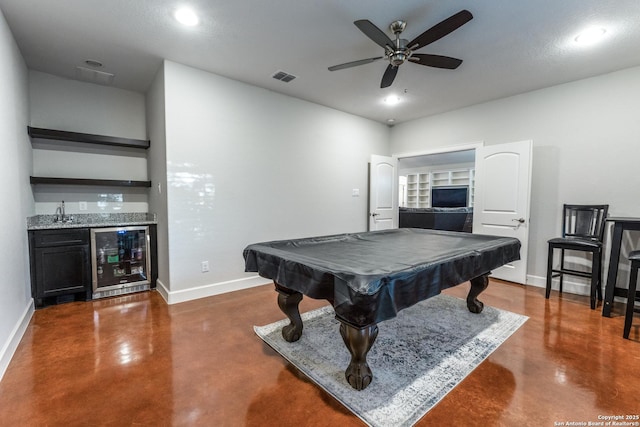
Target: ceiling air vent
x,y
94,76
282,76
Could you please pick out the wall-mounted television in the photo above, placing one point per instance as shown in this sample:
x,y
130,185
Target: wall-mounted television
x,y
450,197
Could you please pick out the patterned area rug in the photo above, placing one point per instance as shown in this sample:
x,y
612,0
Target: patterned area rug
x,y
416,360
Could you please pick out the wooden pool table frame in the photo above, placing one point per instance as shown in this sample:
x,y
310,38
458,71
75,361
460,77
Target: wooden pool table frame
x,y
358,340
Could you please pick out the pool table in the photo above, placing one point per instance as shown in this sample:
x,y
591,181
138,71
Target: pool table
x,y
369,277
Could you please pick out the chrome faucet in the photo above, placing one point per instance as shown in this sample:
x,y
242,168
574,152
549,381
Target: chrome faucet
x,y
60,215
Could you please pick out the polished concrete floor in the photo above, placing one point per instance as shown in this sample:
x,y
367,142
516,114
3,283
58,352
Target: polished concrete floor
x,y
134,361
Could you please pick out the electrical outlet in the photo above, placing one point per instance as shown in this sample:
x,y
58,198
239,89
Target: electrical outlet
x,y
82,206
205,266
355,192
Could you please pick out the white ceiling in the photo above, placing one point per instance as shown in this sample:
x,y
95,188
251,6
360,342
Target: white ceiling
x,y
509,47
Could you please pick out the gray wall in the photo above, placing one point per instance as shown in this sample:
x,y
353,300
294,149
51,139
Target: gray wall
x,y
16,305
585,147
245,164
157,170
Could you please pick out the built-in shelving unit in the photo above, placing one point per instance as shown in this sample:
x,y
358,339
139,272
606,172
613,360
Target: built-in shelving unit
x,y
441,178
419,185
52,135
412,190
472,186
424,190
460,177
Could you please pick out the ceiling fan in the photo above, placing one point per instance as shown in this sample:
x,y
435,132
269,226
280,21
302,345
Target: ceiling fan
x,y
399,50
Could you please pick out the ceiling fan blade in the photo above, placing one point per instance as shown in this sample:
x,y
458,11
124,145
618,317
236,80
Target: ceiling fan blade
x,y
354,63
389,76
437,61
374,33
440,30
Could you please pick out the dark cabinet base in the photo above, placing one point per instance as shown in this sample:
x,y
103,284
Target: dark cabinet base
x,y
61,299
60,266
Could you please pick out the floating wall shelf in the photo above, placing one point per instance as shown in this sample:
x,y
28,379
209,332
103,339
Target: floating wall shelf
x,y
52,135
61,135
92,182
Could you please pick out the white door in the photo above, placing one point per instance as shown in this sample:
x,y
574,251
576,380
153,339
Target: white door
x,y
383,193
501,199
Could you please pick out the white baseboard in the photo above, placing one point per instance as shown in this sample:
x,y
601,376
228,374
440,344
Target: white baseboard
x,y
567,285
174,297
162,290
7,352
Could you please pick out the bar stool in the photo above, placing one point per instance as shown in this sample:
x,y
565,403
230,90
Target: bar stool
x,y
582,230
634,257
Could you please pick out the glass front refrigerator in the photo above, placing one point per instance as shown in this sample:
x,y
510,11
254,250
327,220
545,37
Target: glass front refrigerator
x,y
121,260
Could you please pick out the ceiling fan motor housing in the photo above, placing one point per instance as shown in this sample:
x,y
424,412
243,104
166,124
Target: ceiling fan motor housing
x,y
400,53
398,57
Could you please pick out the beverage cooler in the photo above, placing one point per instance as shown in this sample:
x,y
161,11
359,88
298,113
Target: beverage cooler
x,y
121,260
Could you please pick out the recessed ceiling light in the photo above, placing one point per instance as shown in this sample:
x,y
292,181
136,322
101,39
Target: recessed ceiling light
x,y
590,35
391,121
392,100
186,16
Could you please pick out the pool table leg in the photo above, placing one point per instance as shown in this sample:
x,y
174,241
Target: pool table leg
x,y
358,342
478,285
288,301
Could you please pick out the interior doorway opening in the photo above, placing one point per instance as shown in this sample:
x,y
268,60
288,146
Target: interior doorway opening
x,y
436,189
450,174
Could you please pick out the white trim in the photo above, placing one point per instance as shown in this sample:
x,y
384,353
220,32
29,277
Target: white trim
x,y
440,150
174,297
162,290
568,286
9,349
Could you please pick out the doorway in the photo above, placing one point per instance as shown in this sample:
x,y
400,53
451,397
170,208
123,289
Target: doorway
x,y
503,187
449,172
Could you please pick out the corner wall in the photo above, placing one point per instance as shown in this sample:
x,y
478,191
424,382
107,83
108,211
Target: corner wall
x,y
245,165
16,305
157,170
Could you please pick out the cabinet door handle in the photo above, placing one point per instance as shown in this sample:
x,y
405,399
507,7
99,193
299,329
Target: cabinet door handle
x,y
520,220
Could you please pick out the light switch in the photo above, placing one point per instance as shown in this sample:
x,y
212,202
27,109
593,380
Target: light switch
x,y
355,192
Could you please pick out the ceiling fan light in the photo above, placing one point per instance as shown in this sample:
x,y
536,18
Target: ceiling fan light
x,y
392,100
398,58
590,35
187,17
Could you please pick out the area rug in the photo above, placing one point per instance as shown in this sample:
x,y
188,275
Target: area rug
x,y
416,360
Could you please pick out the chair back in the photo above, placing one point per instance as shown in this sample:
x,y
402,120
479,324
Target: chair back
x,y
584,221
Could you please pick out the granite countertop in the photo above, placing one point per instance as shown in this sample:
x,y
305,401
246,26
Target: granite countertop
x,y
45,222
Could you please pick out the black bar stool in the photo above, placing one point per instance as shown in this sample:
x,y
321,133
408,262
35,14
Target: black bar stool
x,y
634,257
582,230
